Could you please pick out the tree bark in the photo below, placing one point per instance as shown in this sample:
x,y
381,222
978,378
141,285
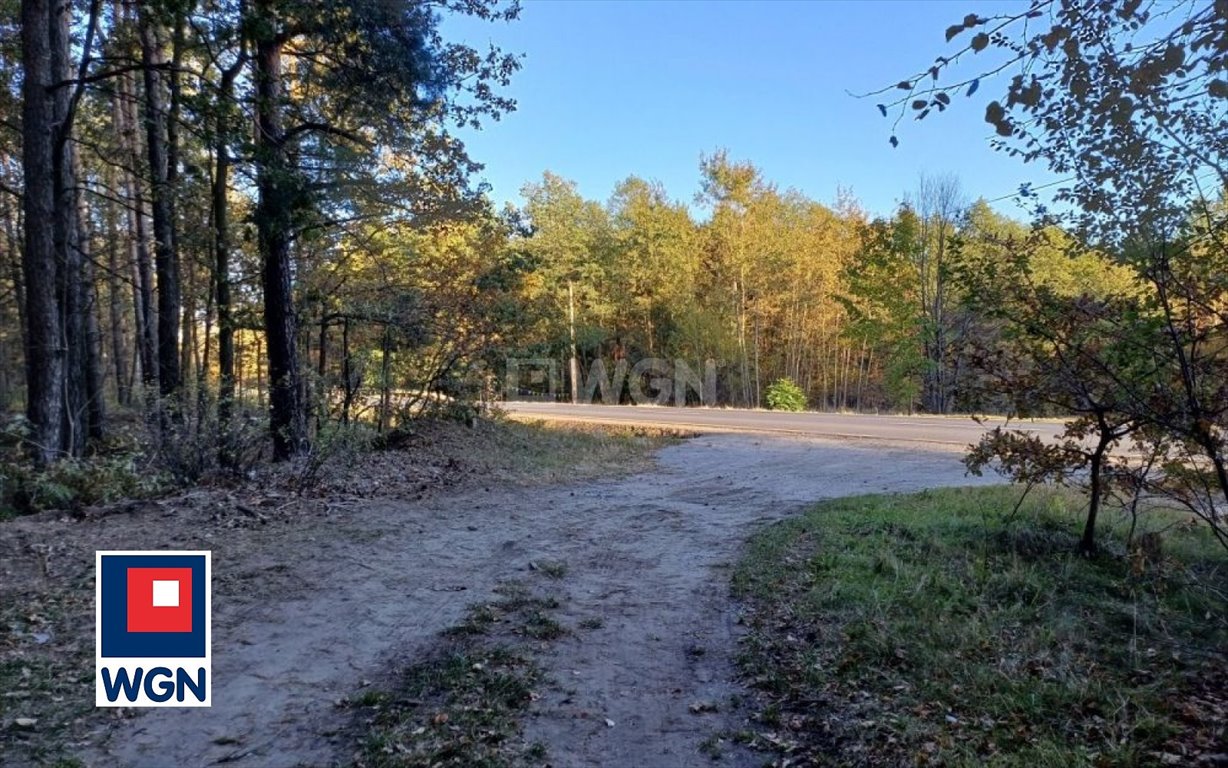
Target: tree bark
x,y
12,222
44,351
119,353
325,390
221,270
166,257
385,387
71,245
95,386
350,381
142,269
1087,544
89,343
274,214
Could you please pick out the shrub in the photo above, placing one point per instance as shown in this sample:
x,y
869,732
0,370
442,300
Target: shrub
x,y
785,395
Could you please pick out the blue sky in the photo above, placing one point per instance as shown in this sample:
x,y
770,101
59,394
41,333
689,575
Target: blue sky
x,y
611,89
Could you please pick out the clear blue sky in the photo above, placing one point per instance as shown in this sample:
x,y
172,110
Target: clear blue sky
x,y
611,89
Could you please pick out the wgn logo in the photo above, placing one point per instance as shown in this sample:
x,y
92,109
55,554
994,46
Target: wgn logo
x,y
153,629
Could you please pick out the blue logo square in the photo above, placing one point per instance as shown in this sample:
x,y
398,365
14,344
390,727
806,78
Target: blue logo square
x,y
117,641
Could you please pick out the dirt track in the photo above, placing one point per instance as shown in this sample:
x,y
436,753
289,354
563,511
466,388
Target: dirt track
x,y
301,621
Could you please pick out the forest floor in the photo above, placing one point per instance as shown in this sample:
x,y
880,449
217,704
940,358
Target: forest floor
x,y
605,562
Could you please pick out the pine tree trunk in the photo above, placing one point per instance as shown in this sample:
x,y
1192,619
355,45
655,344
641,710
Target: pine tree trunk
x,y
70,245
119,354
44,351
90,342
287,417
142,268
385,378
166,261
12,221
321,408
347,372
221,274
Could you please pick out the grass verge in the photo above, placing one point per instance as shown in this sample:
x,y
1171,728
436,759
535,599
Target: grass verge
x,y
926,630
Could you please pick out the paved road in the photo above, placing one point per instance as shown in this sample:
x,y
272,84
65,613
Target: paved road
x,y
952,431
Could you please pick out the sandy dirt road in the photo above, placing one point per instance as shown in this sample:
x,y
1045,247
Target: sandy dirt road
x,y
649,555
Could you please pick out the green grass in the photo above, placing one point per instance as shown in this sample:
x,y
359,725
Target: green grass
x,y
938,629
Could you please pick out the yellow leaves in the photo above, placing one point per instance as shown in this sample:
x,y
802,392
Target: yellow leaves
x,y
1053,266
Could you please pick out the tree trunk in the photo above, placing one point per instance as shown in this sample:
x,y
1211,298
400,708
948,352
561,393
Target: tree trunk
x,y
142,270
274,213
260,388
1087,544
119,354
347,372
166,258
573,364
44,351
321,371
71,246
385,401
12,222
221,273
205,359
90,342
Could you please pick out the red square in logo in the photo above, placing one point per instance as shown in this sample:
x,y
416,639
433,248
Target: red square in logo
x,y
159,599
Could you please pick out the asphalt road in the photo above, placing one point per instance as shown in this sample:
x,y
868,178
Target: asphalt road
x,y
944,430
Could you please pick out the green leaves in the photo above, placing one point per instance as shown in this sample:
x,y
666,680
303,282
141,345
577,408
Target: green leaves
x,y
785,395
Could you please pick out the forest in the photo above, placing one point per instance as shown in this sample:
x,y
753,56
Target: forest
x,y
233,229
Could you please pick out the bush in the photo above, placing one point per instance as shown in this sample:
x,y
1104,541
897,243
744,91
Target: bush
x,y
785,395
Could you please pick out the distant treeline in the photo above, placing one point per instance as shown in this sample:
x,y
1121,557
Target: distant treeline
x,y
861,313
